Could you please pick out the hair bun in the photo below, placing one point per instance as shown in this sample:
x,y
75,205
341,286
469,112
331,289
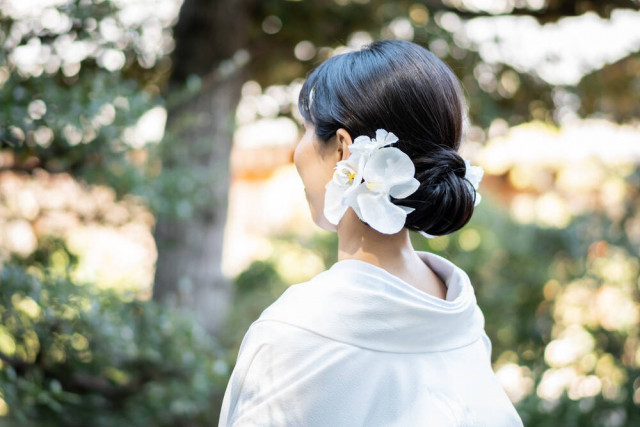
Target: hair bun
x,y
440,162
444,202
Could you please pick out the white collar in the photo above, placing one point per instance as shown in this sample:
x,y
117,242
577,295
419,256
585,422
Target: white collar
x,y
364,305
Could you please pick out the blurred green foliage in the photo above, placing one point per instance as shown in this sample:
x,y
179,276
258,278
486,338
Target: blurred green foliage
x,y
73,355
74,125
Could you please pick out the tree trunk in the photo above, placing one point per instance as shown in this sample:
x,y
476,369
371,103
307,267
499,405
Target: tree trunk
x,y
199,135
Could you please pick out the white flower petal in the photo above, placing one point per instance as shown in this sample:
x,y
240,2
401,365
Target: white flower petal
x,y
478,199
478,196
407,209
381,135
350,199
388,166
384,138
334,208
362,140
473,173
362,143
362,152
380,213
404,189
427,235
362,162
476,176
351,161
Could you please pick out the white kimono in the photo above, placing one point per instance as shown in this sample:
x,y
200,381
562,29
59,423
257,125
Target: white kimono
x,y
358,346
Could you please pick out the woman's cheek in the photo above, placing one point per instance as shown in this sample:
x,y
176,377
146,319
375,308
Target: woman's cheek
x,y
296,158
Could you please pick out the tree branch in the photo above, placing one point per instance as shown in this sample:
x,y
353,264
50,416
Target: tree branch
x,y
13,362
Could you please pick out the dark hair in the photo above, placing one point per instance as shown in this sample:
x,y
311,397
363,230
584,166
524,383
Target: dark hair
x,y
403,88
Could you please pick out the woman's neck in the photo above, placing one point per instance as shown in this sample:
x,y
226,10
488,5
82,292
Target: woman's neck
x,y
357,240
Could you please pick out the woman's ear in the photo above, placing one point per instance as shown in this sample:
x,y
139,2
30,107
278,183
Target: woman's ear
x,y
344,141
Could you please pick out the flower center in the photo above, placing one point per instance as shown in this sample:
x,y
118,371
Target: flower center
x,y
373,186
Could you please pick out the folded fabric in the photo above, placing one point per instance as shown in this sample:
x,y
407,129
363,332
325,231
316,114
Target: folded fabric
x,y
358,346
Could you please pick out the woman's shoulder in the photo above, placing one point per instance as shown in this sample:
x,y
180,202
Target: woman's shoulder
x,y
302,299
275,345
265,333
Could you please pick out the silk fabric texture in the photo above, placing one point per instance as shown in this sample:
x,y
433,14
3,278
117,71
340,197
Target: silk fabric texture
x,y
358,346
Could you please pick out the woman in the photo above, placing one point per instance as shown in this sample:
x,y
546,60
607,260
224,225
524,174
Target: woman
x,y
387,336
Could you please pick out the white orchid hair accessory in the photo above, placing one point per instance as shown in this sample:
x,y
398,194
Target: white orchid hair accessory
x,y
367,179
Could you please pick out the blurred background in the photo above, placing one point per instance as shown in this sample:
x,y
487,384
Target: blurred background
x,y
150,209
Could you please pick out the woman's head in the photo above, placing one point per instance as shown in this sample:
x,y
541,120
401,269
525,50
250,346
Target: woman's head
x,y
403,88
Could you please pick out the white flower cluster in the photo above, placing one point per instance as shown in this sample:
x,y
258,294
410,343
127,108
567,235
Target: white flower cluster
x,y
367,179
